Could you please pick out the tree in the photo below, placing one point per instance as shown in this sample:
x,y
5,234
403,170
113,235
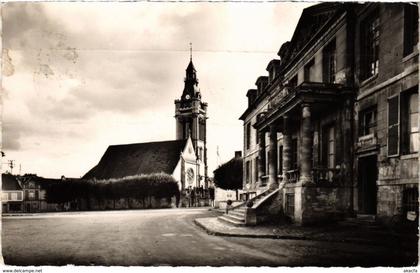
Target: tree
x,y
229,175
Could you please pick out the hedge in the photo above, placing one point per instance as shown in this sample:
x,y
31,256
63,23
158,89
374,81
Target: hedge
x,y
158,185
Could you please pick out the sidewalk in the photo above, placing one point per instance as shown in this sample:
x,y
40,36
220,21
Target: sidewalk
x,y
333,233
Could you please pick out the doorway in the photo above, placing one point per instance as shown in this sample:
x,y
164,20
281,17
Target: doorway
x,y
367,189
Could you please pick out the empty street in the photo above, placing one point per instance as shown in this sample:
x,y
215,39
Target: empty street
x,y
165,237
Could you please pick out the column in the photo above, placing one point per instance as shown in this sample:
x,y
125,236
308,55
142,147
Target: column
x,y
306,146
347,166
287,148
261,155
272,161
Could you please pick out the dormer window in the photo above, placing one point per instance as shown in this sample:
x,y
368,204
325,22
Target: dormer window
x,y
261,84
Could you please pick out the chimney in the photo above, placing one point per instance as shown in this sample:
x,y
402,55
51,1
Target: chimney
x,y
238,154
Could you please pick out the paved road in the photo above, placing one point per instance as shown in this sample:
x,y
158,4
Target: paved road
x,y
165,237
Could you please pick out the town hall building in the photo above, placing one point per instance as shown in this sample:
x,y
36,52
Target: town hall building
x,y
332,131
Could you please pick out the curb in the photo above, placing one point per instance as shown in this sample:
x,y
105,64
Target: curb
x,y
290,237
266,236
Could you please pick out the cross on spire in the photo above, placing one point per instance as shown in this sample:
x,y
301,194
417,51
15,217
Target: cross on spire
x,y
190,51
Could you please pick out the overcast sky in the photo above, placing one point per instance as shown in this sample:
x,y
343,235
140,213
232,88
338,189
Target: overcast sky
x,y
78,77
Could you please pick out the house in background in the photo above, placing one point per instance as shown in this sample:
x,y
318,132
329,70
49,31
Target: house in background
x,y
12,194
333,130
34,194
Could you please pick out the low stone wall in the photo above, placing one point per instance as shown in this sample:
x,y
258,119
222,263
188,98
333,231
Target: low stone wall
x,y
313,205
271,210
390,200
324,204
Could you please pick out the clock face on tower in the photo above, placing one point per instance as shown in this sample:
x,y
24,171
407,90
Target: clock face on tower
x,y
187,97
190,176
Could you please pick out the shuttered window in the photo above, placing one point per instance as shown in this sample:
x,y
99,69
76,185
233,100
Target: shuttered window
x,y
393,126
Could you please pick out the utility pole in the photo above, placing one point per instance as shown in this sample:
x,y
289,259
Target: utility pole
x,y
11,165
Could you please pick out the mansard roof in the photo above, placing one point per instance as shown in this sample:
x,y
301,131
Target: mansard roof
x,y
251,92
263,79
138,158
272,63
312,20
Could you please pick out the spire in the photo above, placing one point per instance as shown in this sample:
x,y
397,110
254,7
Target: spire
x,y
191,81
190,52
191,72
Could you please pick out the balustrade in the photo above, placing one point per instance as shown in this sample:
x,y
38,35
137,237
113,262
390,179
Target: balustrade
x,y
292,176
326,175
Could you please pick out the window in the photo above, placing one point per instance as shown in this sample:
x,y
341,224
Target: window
x,y
202,131
411,26
248,135
294,163
367,121
413,127
247,174
393,126
411,199
256,169
13,196
328,147
280,160
329,62
409,122
31,195
187,129
268,162
290,204
309,71
257,139
370,46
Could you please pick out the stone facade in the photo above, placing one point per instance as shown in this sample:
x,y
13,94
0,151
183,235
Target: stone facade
x,y
335,124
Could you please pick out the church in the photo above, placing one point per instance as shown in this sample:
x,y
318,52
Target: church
x,y
185,158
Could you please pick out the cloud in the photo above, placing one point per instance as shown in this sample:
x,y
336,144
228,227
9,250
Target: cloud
x,y
89,74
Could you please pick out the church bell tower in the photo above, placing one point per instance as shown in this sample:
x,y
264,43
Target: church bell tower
x,y
191,118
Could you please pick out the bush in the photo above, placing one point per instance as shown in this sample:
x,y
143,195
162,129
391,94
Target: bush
x,y
158,185
229,175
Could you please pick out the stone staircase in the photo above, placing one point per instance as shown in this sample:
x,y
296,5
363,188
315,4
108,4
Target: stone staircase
x,y
236,215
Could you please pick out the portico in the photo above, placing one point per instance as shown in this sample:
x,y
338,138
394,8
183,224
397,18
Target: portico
x,y
311,169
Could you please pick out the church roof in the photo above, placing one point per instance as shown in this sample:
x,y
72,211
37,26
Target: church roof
x,y
139,158
9,183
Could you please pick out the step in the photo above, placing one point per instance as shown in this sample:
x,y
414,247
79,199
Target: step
x,y
238,213
235,217
230,221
